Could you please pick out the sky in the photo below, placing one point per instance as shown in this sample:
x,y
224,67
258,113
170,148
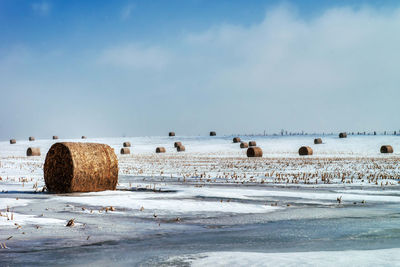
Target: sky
x,y
134,68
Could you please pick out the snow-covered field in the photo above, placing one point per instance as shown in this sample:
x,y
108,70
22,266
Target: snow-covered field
x,y
210,205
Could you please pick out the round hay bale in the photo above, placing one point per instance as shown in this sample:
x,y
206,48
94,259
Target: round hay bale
x,y
84,137
125,150
254,152
386,149
305,151
343,135
176,144
55,137
31,138
180,148
236,139
317,141
213,133
33,151
80,167
126,144
160,149
252,143
13,141
171,134
244,145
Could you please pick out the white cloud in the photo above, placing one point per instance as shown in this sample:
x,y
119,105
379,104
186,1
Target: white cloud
x,y
287,71
127,12
135,57
42,8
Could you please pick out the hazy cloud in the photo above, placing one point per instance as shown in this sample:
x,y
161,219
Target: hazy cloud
x,y
42,8
135,57
127,12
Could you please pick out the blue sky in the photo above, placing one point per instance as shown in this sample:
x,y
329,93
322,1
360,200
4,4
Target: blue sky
x,y
107,68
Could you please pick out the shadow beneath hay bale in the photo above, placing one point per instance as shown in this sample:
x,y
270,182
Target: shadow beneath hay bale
x,y
25,192
140,189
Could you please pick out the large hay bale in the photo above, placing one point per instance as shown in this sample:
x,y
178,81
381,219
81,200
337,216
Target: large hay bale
x,y
55,137
160,149
125,150
31,138
33,151
343,135
236,139
212,133
317,141
80,167
252,143
84,137
13,141
244,145
180,148
254,152
176,144
386,149
126,144
305,151
171,134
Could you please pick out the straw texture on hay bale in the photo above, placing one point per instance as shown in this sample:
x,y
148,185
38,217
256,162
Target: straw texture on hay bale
x,y
160,149
252,143
343,135
305,151
31,138
13,141
33,151
80,167
55,137
213,133
244,145
125,150
317,141
180,148
176,144
126,144
171,134
254,152
236,139
386,149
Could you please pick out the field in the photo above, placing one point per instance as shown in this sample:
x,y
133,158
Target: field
x,y
210,205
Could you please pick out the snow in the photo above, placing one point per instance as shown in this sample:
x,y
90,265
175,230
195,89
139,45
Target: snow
x,y
12,202
381,257
273,146
12,219
137,200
